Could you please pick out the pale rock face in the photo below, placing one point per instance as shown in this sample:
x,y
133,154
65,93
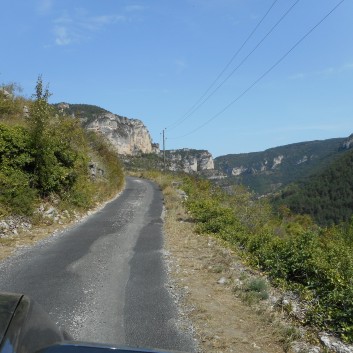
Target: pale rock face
x,y
263,167
348,143
303,160
6,94
238,171
63,106
190,165
189,161
128,136
277,161
258,168
155,148
205,161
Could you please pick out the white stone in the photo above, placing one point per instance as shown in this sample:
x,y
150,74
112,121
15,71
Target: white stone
x,y
222,280
238,171
335,345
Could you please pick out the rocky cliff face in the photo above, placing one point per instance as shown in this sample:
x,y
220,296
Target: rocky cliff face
x,y
266,171
266,165
348,143
189,160
127,136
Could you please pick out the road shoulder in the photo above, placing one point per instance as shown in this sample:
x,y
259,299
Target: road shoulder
x,y
206,275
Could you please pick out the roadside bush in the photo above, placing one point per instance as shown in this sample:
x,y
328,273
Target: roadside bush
x,y
291,249
57,146
101,149
15,151
11,106
256,289
16,195
47,155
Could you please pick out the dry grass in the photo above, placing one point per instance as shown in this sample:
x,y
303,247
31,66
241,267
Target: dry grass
x,y
223,321
27,238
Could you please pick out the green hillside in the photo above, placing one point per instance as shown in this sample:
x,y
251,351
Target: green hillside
x,y
326,196
46,155
267,171
313,262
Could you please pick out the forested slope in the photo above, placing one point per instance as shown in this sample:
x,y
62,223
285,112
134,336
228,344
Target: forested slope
x,y
326,196
267,171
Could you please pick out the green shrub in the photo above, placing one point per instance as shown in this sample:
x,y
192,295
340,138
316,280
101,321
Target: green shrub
x,y
103,151
258,285
16,195
291,249
48,154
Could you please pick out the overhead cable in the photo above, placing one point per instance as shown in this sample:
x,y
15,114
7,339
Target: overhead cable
x,y
178,122
240,64
263,75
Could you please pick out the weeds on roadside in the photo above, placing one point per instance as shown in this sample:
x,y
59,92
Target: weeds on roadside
x,y
289,248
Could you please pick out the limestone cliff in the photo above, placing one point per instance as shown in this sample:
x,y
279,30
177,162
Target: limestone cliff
x,y
348,143
127,136
189,160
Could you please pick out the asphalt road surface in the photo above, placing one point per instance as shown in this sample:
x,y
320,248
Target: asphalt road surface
x,y
105,280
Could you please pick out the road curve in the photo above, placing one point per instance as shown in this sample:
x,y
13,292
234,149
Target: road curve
x,y
104,280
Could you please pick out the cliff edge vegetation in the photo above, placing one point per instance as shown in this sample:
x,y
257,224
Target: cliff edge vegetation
x,y
310,268
315,263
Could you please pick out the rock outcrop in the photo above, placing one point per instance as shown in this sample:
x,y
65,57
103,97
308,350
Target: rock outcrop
x,y
266,171
189,160
348,143
258,167
5,93
128,136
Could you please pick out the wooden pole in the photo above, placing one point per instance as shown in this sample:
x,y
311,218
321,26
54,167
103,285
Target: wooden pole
x,y
163,150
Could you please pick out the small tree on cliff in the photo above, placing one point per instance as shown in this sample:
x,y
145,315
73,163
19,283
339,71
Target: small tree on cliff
x,y
59,147
45,173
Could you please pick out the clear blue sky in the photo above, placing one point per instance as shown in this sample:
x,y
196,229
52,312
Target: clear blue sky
x,y
153,59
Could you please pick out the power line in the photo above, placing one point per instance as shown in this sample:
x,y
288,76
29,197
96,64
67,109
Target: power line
x,y
241,63
263,75
178,122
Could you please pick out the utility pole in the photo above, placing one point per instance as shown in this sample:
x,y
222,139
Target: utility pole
x,y
164,150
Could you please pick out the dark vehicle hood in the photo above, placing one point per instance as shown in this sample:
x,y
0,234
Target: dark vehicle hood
x,y
8,305
24,326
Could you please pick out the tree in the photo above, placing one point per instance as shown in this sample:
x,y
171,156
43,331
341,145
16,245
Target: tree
x,y
39,116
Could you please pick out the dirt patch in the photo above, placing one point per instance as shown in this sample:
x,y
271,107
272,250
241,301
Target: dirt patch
x,y
26,238
208,274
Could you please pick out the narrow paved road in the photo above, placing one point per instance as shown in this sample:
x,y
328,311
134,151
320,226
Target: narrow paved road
x,y
104,280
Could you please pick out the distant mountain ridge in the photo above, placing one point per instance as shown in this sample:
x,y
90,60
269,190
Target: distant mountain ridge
x,y
267,171
131,138
263,172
